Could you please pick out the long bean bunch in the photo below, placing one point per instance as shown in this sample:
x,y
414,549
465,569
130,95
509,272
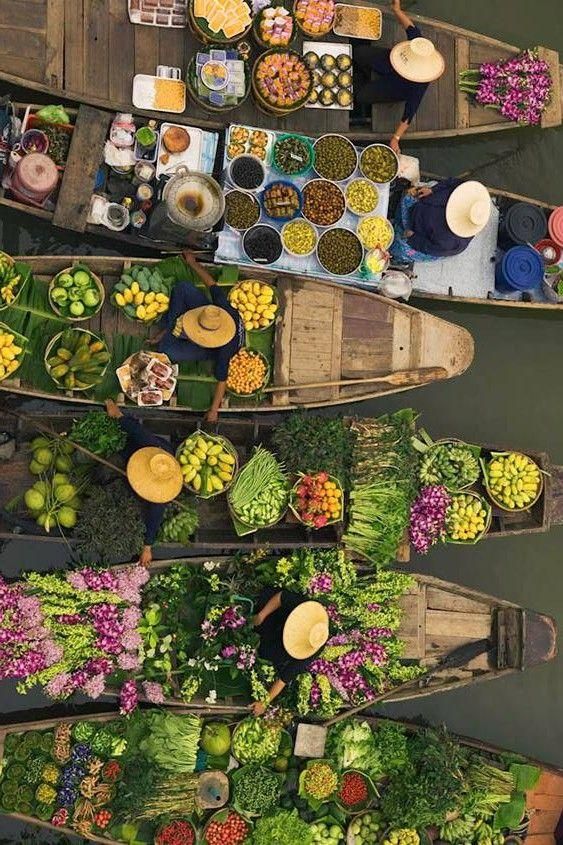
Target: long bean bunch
x,y
260,493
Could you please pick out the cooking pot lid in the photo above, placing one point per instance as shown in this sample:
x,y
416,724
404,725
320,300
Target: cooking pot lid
x,y
523,267
37,172
525,223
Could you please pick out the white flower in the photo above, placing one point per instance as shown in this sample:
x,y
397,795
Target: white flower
x,y
192,662
212,697
209,565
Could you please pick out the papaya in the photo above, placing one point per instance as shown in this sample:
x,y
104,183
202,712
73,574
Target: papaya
x,y
64,354
97,346
59,371
80,357
101,357
55,361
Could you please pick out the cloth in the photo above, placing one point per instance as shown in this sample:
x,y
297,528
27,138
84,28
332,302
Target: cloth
x,y
271,635
185,297
400,249
390,87
137,438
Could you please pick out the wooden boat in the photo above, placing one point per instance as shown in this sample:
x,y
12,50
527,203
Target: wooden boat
x,y
365,345
90,52
544,803
216,531
438,618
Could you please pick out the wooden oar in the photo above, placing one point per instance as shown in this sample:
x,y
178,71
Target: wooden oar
x,y
45,429
402,378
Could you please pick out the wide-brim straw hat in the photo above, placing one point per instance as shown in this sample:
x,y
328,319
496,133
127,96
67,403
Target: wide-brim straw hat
x,y
154,474
305,630
209,326
417,60
468,209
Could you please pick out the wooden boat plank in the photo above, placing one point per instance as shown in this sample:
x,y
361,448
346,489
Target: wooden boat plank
x,y
544,821
74,48
83,162
18,15
480,52
147,51
550,783
401,348
453,623
438,599
447,85
553,113
121,51
54,35
96,49
461,121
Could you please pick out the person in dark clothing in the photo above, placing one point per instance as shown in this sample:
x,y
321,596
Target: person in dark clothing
x,y
292,632
402,73
153,473
440,221
198,331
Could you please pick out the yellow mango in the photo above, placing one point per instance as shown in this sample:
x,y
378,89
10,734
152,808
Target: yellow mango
x,y
139,298
162,307
150,297
161,297
128,296
141,312
120,300
135,288
256,288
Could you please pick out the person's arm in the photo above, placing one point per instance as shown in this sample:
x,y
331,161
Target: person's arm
x,y
401,16
395,142
212,414
153,516
259,707
192,262
270,607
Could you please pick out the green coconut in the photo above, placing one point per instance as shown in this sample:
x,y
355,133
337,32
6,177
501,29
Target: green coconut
x,y
67,517
34,500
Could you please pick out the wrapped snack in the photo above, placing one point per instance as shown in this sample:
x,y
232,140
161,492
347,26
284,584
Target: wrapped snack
x,y
150,396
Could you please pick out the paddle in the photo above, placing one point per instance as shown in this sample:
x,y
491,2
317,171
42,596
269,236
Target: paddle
x,y
402,378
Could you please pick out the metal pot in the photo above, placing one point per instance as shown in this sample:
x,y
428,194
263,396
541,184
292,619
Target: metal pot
x,y
193,200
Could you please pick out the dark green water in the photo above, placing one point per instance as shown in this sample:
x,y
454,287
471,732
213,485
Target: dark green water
x,y
512,395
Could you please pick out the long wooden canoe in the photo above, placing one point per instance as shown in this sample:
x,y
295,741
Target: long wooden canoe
x,y
89,52
324,333
72,202
438,618
216,531
544,803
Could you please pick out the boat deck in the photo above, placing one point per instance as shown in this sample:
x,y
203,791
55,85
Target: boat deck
x,y
89,51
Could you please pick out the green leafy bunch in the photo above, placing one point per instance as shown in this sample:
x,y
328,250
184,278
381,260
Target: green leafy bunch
x,y
99,433
111,527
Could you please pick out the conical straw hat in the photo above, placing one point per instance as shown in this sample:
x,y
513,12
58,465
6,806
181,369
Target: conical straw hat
x,y
305,630
468,209
417,60
209,326
154,474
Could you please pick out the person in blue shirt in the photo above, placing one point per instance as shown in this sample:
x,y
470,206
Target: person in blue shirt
x,y
439,221
403,73
153,473
197,330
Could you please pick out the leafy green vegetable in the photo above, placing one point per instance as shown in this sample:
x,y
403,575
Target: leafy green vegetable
x,y
99,433
110,525
283,827
510,815
311,444
391,742
351,744
172,741
256,789
526,776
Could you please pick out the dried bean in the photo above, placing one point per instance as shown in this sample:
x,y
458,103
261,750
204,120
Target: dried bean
x,y
323,202
339,251
335,157
241,210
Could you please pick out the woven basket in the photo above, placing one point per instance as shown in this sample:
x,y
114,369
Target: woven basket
x,y
54,340
228,447
488,520
498,503
99,285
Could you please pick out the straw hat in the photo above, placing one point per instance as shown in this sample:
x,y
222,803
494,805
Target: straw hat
x,y
154,474
209,326
468,209
417,60
305,630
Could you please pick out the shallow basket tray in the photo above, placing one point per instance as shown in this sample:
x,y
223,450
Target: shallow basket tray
x,y
372,794
275,301
488,519
49,349
265,104
267,375
99,284
221,815
306,143
177,818
235,776
228,447
351,837
491,496
294,511
476,450
313,36
23,342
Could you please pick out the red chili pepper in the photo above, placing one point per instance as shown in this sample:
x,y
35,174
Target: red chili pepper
x,y
353,789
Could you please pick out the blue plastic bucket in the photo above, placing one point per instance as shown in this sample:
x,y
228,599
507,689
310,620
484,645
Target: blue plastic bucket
x,y
519,269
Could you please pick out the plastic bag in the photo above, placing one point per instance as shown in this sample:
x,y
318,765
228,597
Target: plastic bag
x,y
53,114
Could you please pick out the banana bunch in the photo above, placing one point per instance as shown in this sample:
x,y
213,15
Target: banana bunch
x,y
453,465
10,354
514,480
9,280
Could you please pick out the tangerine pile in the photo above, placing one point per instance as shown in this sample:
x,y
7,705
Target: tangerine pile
x,y
247,373
318,500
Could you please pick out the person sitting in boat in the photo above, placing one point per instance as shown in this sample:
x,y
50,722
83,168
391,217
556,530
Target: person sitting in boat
x,y
439,221
197,330
292,630
403,73
153,473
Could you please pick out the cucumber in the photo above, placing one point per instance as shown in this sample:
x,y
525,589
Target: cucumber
x,y
120,286
130,310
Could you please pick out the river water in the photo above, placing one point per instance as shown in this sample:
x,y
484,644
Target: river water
x,y
511,395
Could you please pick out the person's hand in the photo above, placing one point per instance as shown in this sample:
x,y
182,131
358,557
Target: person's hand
x,y
257,708
257,620
145,558
423,192
212,415
394,144
409,233
396,4
112,410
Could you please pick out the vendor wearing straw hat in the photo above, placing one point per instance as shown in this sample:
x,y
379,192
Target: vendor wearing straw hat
x,y
293,630
153,473
199,330
402,74
440,221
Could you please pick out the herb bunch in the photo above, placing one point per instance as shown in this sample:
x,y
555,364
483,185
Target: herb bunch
x,y
111,526
311,444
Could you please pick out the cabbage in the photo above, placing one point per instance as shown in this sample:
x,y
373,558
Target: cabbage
x,y
53,114
351,744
